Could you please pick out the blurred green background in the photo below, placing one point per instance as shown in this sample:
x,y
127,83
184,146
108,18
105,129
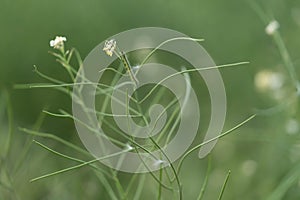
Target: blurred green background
x,y
262,155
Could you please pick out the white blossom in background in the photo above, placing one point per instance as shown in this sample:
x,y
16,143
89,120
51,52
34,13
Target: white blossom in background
x,y
272,27
249,167
58,42
292,126
271,83
268,80
110,46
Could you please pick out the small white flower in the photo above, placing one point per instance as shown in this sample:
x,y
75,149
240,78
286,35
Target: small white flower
x,y
249,167
110,46
268,80
292,126
58,42
272,27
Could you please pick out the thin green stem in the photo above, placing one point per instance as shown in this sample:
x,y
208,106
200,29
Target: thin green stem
x,y
258,10
128,68
286,59
54,137
163,43
159,186
212,139
45,76
68,157
172,167
138,191
224,185
188,71
107,186
10,124
78,166
153,175
28,143
100,113
204,185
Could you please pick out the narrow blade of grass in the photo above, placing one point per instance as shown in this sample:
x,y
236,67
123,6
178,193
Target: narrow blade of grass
x,y
224,185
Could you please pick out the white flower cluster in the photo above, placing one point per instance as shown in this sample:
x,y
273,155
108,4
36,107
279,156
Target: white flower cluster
x,y
292,126
271,83
272,27
268,80
110,46
58,42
